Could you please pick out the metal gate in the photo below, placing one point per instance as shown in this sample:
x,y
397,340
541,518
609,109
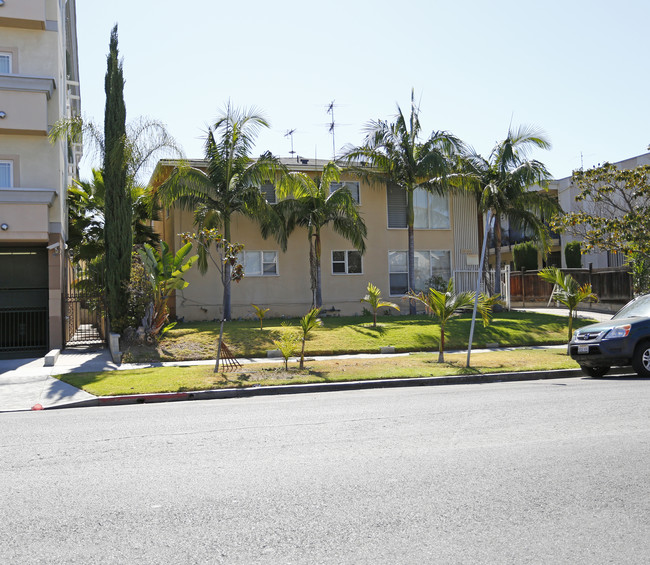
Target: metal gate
x,y
465,280
85,321
24,316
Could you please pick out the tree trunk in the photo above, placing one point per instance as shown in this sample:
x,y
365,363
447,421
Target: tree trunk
x,y
319,292
226,292
302,354
312,271
497,253
226,276
441,352
411,248
216,366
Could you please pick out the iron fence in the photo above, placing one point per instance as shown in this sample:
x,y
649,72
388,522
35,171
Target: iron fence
x,y
24,330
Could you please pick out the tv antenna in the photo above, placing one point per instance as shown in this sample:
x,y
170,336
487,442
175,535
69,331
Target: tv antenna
x,y
332,124
290,135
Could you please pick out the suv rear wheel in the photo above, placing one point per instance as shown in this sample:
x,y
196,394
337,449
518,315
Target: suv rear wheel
x,y
641,361
594,372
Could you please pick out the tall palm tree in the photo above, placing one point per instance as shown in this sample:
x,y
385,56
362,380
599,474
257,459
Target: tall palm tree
x,y
504,183
397,156
230,183
308,203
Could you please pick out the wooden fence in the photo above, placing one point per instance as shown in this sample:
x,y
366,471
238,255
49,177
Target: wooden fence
x,y
613,286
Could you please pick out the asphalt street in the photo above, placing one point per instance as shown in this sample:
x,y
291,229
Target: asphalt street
x,y
553,471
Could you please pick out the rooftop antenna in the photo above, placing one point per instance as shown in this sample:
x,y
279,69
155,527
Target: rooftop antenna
x,y
330,110
290,135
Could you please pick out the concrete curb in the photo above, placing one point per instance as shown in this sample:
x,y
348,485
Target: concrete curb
x,y
329,387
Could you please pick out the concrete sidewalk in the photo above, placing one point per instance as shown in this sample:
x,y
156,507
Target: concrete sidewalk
x,y
26,384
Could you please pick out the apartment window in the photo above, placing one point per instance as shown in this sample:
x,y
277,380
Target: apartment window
x,y
346,263
268,191
5,62
352,186
431,211
260,263
6,174
432,267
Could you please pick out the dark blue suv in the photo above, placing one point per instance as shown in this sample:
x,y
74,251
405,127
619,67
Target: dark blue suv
x,y
622,341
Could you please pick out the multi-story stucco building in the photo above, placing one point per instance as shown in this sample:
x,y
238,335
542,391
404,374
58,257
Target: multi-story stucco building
x,y
567,193
446,245
39,84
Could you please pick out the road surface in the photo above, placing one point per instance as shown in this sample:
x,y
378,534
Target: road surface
x,y
532,472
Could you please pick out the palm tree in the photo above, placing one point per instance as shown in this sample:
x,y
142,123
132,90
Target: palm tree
x,y
567,291
445,305
229,185
307,323
503,184
396,155
86,205
373,299
308,203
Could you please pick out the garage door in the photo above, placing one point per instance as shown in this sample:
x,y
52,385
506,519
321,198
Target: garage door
x,y
23,302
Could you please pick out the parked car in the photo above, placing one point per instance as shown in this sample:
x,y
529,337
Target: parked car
x,y
622,341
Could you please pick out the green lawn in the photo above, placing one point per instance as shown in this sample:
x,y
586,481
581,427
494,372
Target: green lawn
x,y
337,336
182,379
356,335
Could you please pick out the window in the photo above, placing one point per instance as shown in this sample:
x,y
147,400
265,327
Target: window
x,y
6,174
431,211
615,259
5,62
346,262
398,272
432,268
268,191
260,263
352,186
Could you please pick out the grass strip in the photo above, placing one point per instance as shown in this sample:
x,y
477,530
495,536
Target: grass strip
x,y
183,379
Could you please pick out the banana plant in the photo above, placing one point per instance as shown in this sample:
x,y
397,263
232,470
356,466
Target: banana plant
x,y
165,274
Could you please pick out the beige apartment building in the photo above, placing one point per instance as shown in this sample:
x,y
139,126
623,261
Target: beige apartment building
x,y
446,243
39,84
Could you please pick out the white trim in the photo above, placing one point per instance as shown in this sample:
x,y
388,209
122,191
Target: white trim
x,y
345,261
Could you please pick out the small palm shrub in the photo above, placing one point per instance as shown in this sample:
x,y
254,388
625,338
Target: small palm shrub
x,y
373,299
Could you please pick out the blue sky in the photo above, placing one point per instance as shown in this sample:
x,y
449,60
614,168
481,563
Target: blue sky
x,y
577,69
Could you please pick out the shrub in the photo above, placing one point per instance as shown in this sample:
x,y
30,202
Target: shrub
x,y
573,255
525,256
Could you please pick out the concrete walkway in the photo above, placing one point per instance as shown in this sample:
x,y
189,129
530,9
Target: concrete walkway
x,y
26,384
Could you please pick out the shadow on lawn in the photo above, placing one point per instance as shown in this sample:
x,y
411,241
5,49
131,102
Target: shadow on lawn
x,y
369,331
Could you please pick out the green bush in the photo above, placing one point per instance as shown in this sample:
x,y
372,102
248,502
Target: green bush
x,y
525,256
572,255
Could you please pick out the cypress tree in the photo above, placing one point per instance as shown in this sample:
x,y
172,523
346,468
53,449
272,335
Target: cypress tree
x,y
118,234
